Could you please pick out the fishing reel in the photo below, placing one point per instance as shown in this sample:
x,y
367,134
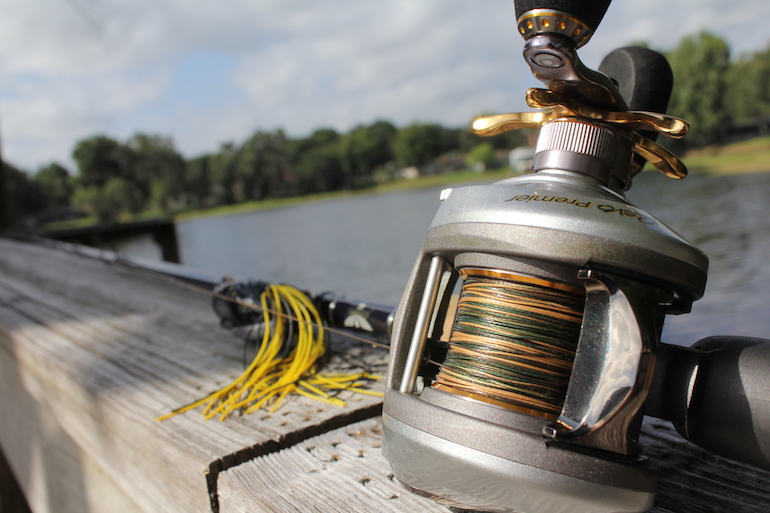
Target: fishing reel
x,y
528,394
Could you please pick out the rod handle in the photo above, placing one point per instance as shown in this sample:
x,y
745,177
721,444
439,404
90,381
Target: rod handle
x,y
717,394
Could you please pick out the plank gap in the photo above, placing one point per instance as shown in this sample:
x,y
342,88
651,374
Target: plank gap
x,y
283,442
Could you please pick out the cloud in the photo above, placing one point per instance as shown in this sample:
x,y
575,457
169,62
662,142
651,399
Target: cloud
x,y
400,60
205,72
42,117
663,23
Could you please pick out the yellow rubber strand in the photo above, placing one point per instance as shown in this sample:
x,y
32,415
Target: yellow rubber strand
x,y
269,380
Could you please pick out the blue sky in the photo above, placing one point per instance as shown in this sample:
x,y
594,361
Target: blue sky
x,y
207,72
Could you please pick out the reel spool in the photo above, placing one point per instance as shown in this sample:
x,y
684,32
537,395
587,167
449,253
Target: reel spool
x,y
513,342
528,396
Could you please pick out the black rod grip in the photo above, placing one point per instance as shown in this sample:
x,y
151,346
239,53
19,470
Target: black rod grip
x,y
717,394
589,12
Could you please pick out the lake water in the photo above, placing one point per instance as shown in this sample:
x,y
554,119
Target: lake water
x,y
364,246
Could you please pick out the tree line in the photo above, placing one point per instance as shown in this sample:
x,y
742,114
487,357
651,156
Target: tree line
x,y
712,90
147,174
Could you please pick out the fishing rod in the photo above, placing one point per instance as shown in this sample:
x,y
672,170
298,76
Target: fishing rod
x,y
532,400
236,302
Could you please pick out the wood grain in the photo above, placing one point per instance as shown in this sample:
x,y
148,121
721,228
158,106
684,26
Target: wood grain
x,y
344,471
103,349
340,471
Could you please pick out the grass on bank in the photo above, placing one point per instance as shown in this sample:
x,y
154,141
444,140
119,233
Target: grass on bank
x,y
750,156
398,185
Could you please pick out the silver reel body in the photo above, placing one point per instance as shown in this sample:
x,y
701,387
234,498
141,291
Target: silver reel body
x,y
566,226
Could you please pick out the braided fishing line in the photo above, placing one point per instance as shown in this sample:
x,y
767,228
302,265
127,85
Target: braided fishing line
x,y
513,341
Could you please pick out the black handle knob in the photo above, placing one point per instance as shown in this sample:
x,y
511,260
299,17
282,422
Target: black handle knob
x,y
644,77
645,81
576,19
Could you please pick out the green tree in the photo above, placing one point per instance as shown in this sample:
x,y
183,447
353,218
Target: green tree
x,y
700,65
748,87
365,148
481,157
100,158
87,197
316,162
197,179
157,171
24,195
222,166
319,138
263,167
120,195
56,185
319,170
106,203
418,144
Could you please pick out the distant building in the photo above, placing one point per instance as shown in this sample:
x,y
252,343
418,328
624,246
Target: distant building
x,y
520,159
410,173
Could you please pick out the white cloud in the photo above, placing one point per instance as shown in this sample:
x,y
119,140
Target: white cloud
x,y
44,118
401,61
113,66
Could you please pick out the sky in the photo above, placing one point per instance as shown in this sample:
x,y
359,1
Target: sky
x,y
207,72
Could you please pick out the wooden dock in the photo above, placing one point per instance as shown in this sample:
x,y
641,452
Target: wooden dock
x,y
162,230
92,351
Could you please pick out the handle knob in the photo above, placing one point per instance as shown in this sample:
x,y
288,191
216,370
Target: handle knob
x,y
644,77
645,81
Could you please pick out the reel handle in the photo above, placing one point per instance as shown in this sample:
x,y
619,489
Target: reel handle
x,y
645,82
644,77
716,394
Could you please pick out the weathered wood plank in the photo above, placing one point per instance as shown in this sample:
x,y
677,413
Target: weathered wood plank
x,y
53,466
103,349
344,471
340,471
694,480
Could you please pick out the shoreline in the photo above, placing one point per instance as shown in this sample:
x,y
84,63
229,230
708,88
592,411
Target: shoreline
x,y
425,182
750,156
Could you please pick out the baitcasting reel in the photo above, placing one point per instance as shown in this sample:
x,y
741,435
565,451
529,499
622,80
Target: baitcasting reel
x,y
528,395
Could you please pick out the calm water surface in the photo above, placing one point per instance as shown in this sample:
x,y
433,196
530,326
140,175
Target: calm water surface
x,y
364,246
727,218
361,246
